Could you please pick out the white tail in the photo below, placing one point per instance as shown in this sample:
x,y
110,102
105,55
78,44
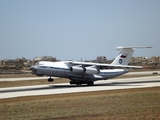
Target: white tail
x,y
125,55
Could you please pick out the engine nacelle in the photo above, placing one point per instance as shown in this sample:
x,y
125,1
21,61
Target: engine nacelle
x,y
86,70
91,70
77,69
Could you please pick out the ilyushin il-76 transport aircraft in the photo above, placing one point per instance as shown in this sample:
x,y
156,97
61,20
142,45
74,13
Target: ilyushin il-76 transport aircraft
x,y
86,72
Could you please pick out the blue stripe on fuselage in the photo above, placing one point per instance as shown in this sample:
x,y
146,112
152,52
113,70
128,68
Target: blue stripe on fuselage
x,y
101,73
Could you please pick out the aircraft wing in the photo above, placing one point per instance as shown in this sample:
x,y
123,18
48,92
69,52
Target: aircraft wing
x,y
102,65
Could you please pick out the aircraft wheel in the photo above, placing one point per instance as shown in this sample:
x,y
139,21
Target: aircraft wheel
x,y
50,79
78,84
90,83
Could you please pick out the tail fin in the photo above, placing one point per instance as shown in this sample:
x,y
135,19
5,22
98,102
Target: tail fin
x,y
125,55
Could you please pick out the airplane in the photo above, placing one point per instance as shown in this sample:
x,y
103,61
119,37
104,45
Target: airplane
x,y
86,72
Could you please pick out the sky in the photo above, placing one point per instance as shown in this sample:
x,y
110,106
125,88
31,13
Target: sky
x,y
78,29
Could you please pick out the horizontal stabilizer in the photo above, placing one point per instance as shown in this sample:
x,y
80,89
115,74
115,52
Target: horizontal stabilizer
x,y
132,47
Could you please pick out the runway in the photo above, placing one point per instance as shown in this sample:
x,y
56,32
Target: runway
x,y
111,84
40,78
23,78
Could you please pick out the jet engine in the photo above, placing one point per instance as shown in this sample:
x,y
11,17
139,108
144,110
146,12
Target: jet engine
x,y
91,70
87,70
77,69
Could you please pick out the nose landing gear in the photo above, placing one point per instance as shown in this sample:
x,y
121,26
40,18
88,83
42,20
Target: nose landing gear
x,y
50,79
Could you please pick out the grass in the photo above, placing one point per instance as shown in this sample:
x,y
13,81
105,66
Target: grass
x,y
4,84
17,75
135,104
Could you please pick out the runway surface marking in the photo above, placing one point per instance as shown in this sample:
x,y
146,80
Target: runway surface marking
x,y
112,84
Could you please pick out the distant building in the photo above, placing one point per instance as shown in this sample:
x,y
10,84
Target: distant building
x,y
44,58
2,63
20,61
144,60
27,63
9,62
101,59
138,60
150,61
156,59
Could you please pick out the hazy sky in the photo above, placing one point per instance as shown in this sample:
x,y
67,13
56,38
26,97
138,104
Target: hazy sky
x,y
75,29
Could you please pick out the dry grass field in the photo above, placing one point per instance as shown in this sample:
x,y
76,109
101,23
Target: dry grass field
x,y
132,104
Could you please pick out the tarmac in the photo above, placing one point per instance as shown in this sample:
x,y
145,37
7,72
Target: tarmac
x,y
50,89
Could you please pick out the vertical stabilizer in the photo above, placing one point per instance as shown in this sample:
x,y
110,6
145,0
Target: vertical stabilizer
x,y
125,55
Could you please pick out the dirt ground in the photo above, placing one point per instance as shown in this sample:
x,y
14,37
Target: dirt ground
x,y
132,104
128,104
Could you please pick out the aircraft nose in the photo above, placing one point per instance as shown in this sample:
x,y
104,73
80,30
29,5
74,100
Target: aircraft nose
x,y
33,69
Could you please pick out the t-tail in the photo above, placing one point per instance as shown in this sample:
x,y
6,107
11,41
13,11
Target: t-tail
x,y
125,55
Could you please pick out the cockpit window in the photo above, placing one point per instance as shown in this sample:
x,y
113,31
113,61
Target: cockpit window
x,y
39,63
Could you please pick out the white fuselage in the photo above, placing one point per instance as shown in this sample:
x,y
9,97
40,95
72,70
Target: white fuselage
x,y
62,69
85,72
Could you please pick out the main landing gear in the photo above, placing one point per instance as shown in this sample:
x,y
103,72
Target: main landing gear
x,y
90,83
78,83
50,79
